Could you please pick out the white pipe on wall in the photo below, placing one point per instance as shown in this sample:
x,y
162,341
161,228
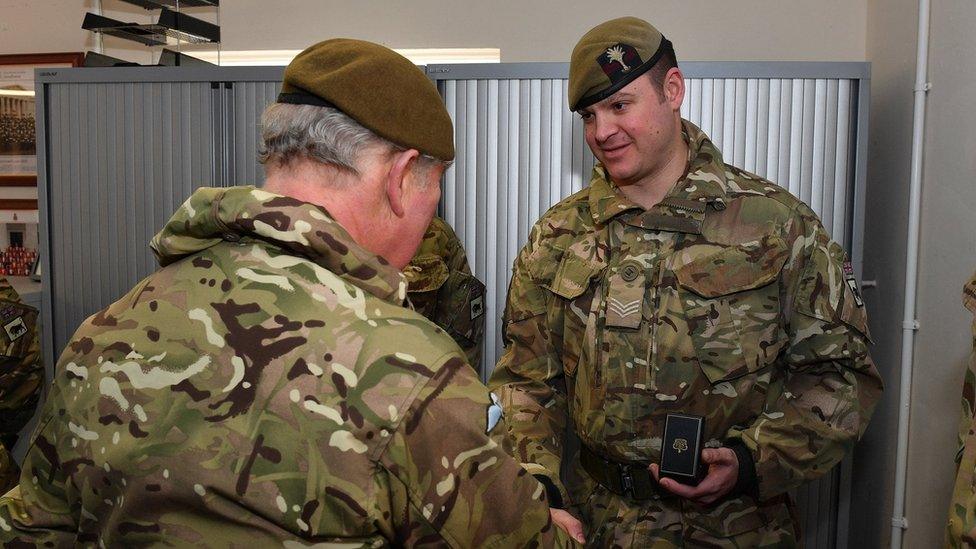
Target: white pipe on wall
x,y
899,522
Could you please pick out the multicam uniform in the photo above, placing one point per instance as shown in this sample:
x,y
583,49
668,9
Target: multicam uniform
x,y
442,288
727,300
962,509
21,375
266,387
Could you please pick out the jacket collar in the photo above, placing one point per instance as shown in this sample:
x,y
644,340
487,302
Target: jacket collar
x,y
211,216
704,183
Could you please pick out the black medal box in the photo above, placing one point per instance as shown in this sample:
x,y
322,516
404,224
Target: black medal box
x,y
681,448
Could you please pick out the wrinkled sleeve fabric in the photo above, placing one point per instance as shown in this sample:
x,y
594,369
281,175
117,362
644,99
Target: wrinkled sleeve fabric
x,y
21,370
38,512
828,384
21,375
961,526
528,378
450,483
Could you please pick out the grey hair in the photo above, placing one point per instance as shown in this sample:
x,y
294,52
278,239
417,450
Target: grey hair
x,y
323,134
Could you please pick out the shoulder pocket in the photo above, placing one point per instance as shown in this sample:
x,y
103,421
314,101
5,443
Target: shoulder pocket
x,y
826,293
461,308
732,307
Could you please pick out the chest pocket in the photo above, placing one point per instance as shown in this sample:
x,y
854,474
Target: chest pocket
x,y
570,287
731,306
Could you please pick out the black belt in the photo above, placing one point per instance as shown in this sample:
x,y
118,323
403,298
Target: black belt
x,y
623,479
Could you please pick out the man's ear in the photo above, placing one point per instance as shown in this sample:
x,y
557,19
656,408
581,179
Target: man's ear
x,y
674,88
396,179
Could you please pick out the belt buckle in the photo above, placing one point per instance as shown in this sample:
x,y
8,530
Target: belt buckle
x,y
626,481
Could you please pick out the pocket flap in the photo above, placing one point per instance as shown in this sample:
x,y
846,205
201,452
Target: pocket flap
x,y
572,277
734,269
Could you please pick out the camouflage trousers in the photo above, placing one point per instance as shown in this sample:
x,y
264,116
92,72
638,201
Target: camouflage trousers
x,y
665,522
9,472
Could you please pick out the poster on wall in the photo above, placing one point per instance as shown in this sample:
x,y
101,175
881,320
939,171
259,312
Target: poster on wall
x,y
18,147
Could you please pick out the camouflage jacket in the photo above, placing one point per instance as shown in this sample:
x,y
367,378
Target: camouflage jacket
x,y
442,288
267,388
21,375
962,509
727,300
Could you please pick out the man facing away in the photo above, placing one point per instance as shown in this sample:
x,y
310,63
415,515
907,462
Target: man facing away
x,y
677,284
266,387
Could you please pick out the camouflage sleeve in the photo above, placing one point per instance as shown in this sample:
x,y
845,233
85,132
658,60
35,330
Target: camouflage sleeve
x,y
967,415
37,513
462,300
462,490
829,385
21,371
969,384
21,375
528,377
961,526
443,289
461,311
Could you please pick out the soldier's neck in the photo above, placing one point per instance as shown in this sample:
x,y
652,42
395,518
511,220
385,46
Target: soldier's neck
x,y
652,188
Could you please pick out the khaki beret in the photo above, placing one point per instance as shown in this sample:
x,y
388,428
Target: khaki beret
x,y
610,56
375,86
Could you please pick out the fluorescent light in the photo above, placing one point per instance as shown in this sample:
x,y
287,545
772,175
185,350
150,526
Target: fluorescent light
x,y
16,93
444,56
420,56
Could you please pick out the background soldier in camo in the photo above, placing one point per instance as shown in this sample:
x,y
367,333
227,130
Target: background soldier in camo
x,y
266,387
962,509
21,375
677,283
442,288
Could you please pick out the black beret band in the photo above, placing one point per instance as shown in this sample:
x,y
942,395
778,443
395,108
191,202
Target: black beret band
x,y
641,69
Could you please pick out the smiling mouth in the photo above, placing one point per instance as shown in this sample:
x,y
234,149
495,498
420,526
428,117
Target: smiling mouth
x,y
615,149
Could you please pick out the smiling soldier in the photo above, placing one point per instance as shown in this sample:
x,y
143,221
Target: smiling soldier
x,y
677,284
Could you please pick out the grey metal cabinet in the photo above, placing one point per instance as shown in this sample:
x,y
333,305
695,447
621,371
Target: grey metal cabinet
x,y
122,149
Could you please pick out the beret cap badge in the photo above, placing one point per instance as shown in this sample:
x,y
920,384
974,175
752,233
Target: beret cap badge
x,y
618,60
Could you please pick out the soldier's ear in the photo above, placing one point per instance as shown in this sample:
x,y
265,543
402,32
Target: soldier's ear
x,y
397,178
674,88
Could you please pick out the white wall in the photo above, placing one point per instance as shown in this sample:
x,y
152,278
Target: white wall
x,y
536,30
891,48
947,259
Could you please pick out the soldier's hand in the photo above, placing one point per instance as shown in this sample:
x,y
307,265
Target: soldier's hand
x,y
568,523
723,470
